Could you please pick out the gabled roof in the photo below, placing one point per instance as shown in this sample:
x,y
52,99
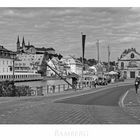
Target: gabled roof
x,y
28,47
3,49
125,52
41,49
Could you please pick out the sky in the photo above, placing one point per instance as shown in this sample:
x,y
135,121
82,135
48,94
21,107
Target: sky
x,y
60,28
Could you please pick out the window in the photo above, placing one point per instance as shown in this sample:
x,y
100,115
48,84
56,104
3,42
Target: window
x,y
132,55
122,65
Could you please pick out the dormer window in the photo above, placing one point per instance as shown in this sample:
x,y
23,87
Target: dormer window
x,y
132,55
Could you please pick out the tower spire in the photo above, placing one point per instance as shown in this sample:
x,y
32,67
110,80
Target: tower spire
x,y
18,44
18,40
23,42
98,54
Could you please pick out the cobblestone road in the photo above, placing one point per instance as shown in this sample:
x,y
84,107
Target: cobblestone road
x,y
45,110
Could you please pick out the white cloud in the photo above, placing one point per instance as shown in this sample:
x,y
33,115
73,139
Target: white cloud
x,y
127,39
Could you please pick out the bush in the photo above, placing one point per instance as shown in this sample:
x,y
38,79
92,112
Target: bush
x,y
121,79
23,91
8,88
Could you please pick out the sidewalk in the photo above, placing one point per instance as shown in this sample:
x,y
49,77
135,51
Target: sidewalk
x,y
131,104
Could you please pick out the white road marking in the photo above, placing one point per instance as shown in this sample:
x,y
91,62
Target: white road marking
x,y
121,102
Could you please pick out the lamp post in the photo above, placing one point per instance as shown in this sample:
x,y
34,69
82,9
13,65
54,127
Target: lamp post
x,y
13,70
13,76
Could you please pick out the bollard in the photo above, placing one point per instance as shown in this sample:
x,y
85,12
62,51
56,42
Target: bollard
x,y
53,88
64,87
90,85
58,88
47,88
39,91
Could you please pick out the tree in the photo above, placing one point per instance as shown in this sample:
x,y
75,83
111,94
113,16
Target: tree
x,y
60,56
92,62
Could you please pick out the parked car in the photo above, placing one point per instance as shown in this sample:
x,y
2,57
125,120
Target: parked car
x,y
102,81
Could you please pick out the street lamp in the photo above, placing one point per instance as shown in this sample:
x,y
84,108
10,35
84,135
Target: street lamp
x,y
13,57
13,76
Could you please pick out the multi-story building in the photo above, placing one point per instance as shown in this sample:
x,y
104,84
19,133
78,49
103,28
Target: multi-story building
x,y
129,63
74,64
59,66
29,62
6,60
8,67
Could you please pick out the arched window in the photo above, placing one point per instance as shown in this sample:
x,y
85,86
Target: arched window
x,y
122,65
132,55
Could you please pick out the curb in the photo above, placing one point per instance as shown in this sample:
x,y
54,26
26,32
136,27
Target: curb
x,y
90,92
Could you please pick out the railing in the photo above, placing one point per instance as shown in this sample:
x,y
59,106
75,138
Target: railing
x,y
54,89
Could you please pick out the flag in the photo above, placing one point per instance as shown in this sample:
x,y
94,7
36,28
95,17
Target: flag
x,y
108,51
83,44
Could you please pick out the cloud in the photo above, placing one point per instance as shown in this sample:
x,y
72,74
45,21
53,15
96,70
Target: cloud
x,y
127,39
135,9
19,12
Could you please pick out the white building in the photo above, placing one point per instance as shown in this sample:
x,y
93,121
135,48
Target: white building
x,y
29,62
59,66
129,63
74,64
6,60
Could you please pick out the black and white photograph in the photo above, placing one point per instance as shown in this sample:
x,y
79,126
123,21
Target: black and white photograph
x,y
69,70
69,65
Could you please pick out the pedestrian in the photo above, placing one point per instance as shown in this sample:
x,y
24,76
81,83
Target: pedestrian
x,y
136,85
95,83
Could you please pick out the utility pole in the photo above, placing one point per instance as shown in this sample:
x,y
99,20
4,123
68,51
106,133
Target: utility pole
x,y
98,57
108,57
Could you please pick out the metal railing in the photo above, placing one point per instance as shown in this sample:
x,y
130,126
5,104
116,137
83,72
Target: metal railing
x,y
54,89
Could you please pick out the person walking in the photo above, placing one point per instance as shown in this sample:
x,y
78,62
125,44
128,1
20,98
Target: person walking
x,y
136,86
95,83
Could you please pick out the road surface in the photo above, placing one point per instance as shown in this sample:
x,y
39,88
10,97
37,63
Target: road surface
x,y
99,107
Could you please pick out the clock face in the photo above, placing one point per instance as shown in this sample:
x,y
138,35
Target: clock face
x,y
132,55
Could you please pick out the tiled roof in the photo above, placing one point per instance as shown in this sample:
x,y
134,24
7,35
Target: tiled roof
x,y
44,49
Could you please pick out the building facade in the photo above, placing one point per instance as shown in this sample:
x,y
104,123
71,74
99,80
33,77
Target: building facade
x,y
29,62
74,64
129,63
6,60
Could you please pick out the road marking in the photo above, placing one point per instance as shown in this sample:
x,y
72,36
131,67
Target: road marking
x,y
121,102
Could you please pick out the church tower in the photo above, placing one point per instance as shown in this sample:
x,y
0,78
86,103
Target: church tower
x,y
23,44
18,45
